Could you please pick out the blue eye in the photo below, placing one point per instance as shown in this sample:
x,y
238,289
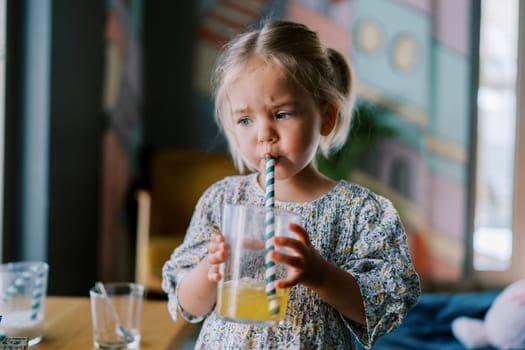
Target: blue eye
x,y
244,121
283,115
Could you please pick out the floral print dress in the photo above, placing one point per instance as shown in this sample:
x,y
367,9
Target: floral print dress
x,y
349,226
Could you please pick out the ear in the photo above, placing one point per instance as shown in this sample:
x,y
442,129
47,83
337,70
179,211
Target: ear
x,y
330,115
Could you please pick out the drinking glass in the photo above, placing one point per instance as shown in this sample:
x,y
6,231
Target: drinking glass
x,y
241,292
124,299
23,290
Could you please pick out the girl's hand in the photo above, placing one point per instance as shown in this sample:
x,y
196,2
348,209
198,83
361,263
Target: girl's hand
x,y
217,252
305,263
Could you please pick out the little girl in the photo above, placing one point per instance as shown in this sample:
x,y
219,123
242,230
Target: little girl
x,y
278,91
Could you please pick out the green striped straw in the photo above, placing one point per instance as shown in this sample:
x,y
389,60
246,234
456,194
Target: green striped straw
x,y
37,294
19,284
269,224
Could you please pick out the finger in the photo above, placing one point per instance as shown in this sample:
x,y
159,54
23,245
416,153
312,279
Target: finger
x,y
214,276
286,283
216,242
255,244
294,261
217,237
301,233
212,262
218,255
212,271
212,247
295,246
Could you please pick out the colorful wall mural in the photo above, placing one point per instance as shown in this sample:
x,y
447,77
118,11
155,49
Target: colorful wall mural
x,y
414,56
411,57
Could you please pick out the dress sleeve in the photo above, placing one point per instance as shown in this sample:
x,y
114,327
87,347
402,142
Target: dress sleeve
x,y
193,249
380,262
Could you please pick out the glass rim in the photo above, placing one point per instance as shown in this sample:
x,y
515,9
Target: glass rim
x,y
260,209
132,287
14,266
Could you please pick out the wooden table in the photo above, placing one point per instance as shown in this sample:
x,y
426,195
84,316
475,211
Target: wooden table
x,y
67,325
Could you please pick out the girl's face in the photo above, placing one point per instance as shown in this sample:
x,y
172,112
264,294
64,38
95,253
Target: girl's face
x,y
273,114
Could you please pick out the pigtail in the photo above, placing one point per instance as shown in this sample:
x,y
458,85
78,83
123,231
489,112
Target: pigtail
x,y
342,74
341,78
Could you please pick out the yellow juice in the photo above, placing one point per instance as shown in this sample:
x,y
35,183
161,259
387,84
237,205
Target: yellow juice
x,y
246,301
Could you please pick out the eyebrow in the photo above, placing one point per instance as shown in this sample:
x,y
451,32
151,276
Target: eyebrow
x,y
278,104
285,103
239,111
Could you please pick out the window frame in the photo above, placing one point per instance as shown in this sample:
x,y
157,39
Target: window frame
x,y
492,279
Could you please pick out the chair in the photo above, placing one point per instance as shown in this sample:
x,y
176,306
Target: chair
x,y
178,179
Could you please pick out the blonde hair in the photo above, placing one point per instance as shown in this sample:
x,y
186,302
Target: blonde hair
x,y
322,72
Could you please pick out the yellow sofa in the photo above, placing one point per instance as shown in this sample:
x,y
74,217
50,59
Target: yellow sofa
x,y
178,179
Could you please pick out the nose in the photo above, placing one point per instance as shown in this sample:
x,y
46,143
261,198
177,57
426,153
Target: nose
x,y
266,133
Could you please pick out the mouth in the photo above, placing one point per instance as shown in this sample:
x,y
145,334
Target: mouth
x,y
275,158
264,164
268,153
